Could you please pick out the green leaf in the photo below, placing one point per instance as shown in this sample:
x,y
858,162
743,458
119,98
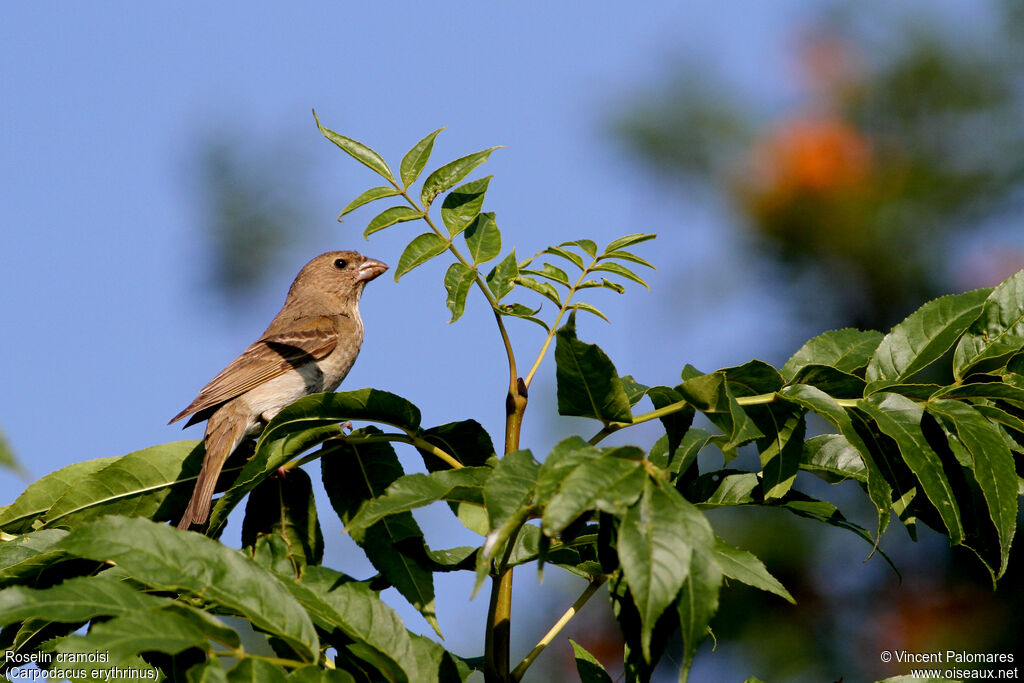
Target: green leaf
x,y
499,280
483,238
582,306
445,177
626,256
567,455
587,246
250,670
354,473
457,281
743,566
833,458
132,634
545,289
781,447
283,505
40,496
7,458
676,424
924,336
521,311
371,195
463,205
357,151
167,559
76,599
835,383
697,603
712,395
587,666
628,241
812,398
511,486
379,634
846,350
992,466
614,286
416,158
634,390
588,385
609,483
389,217
900,418
24,557
417,490
422,248
552,273
622,271
998,331
655,552
141,484
570,256
466,440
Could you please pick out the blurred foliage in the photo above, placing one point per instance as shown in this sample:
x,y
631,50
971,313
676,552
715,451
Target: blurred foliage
x,y
882,185
900,142
254,211
7,459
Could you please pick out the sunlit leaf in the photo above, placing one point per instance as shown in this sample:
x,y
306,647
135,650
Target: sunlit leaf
x,y
357,151
419,251
846,350
389,217
457,281
483,238
499,280
445,177
570,256
621,270
628,241
998,332
587,246
545,289
463,204
373,194
626,256
522,311
416,158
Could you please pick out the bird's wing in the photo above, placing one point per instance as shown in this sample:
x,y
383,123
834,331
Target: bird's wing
x,y
306,339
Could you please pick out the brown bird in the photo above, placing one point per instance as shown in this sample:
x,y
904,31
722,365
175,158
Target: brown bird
x,y
308,347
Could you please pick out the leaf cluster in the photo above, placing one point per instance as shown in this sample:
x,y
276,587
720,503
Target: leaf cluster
x,y
86,563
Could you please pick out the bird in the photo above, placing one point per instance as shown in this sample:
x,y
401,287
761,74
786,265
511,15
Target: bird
x,y
309,347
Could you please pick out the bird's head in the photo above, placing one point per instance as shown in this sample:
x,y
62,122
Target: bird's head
x,y
336,275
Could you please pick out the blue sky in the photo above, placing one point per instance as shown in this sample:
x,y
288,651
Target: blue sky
x,y
106,335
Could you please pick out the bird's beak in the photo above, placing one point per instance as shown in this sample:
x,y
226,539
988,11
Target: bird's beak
x,y
370,269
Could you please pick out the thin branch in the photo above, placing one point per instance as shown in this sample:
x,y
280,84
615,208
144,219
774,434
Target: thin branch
x,y
408,438
518,672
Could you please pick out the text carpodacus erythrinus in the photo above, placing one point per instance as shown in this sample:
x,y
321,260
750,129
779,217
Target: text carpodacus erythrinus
x,y
309,347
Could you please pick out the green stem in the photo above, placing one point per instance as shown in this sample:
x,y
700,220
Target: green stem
x,y
408,438
241,654
759,399
595,584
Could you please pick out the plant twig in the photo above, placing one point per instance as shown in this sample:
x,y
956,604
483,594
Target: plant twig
x,y
521,668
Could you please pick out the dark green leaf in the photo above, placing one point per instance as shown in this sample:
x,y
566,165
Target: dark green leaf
x,y
587,666
422,248
24,557
833,458
676,424
655,552
879,490
357,151
924,336
900,418
780,448
458,280
463,205
998,332
417,490
634,390
499,280
371,195
610,483
445,177
511,486
143,631
251,670
483,238
167,559
991,464
389,217
567,455
466,440
416,158
697,603
741,565
835,383
283,505
588,385
77,599
846,350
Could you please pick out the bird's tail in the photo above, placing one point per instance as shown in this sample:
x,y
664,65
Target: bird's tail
x,y
224,431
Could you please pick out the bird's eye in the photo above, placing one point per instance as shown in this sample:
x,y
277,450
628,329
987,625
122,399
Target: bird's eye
x,y
340,263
